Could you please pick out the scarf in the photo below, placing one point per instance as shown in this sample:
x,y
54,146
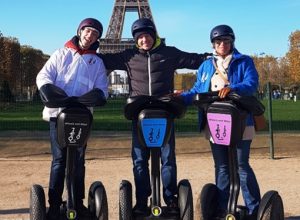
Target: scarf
x,y
222,63
220,79
74,44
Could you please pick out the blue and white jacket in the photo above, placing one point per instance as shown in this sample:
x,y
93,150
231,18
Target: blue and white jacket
x,y
242,75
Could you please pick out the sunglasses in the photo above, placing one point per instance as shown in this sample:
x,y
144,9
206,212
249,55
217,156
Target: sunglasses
x,y
224,40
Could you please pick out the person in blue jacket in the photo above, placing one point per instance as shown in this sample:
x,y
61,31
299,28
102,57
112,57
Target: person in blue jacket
x,y
228,70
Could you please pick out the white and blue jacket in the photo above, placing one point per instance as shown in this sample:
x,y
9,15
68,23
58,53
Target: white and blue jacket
x,y
242,75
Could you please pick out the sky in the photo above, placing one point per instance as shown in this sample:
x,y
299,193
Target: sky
x,y
260,26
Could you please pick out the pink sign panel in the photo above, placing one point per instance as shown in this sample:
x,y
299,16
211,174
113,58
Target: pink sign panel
x,y
220,127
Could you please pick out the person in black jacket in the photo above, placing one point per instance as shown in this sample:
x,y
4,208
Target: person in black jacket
x,y
150,68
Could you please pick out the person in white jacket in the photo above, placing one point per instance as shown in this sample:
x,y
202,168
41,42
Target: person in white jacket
x,y
76,69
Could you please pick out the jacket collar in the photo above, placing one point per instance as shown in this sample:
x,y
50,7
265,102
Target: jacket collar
x,y
74,44
157,45
236,54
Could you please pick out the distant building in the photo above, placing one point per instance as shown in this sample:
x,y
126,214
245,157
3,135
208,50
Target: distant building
x,y
118,84
184,81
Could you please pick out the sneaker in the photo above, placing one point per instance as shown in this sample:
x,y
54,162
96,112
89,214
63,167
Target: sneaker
x,y
82,211
53,213
172,206
253,216
140,209
220,214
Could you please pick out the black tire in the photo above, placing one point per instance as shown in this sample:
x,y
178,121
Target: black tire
x,y
97,201
207,201
37,203
185,200
271,207
125,200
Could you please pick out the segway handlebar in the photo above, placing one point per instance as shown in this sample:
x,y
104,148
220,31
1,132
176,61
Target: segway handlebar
x,y
172,104
54,97
249,103
206,97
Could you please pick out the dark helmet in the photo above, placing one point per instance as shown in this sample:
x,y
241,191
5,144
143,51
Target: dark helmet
x,y
221,30
143,25
91,22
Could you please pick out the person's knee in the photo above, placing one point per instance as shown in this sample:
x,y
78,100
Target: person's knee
x,y
222,168
58,164
244,168
139,166
168,158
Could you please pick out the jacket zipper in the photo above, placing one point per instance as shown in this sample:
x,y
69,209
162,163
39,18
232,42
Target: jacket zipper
x,y
149,73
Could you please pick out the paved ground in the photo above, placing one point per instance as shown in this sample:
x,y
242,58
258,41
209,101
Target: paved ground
x,y
25,160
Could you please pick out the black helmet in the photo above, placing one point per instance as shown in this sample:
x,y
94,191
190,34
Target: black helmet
x,y
221,30
91,22
143,25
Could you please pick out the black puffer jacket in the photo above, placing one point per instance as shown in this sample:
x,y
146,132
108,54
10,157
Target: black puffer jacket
x,y
152,72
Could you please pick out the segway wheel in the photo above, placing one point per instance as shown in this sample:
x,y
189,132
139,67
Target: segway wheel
x,y
37,203
125,200
207,201
271,207
185,200
97,201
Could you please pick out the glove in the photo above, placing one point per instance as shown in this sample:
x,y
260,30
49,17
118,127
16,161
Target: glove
x,y
93,98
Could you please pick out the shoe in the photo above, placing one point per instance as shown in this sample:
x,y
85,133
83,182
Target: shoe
x,y
220,214
172,206
172,202
82,211
253,216
53,213
140,209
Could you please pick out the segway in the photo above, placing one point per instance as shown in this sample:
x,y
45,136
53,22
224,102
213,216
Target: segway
x,y
73,130
154,115
226,122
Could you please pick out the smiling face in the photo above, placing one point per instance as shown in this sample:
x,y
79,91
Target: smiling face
x,y
223,46
145,41
88,36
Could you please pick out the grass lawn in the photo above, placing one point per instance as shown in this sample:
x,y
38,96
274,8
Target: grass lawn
x,y
28,116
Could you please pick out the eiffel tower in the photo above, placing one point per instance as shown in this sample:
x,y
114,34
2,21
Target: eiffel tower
x,y
113,42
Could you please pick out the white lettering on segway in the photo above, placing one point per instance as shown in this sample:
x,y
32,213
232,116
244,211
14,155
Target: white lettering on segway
x,y
72,138
76,123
